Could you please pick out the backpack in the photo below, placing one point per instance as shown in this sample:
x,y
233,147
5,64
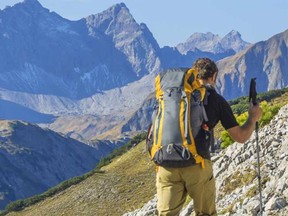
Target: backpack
x,y
179,116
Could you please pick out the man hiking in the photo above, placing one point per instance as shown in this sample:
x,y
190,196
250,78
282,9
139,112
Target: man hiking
x,y
196,180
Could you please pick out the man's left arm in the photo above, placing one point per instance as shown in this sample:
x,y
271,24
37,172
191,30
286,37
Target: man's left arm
x,y
242,133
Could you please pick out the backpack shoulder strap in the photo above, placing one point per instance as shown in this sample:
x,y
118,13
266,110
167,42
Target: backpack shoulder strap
x,y
191,84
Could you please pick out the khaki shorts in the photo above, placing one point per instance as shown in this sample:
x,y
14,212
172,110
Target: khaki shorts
x,y
174,184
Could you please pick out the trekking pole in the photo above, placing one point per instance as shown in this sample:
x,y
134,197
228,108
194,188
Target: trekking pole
x,y
252,97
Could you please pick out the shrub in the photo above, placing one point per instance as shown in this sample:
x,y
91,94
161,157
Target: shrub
x,y
269,111
121,150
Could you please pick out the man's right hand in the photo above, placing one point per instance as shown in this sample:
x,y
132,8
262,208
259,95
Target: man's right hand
x,y
255,112
242,133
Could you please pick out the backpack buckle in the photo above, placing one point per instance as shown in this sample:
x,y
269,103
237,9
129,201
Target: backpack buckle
x,y
186,154
170,148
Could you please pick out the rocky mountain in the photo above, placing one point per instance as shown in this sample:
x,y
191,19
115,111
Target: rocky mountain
x,y
43,53
212,43
235,170
141,119
55,66
34,159
103,66
265,60
134,40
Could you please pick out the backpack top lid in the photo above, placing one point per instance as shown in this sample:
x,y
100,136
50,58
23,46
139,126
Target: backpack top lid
x,y
185,78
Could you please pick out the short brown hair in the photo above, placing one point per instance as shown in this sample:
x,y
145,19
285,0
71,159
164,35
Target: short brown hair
x,y
206,67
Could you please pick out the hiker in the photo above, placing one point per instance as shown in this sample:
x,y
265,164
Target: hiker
x,y
175,183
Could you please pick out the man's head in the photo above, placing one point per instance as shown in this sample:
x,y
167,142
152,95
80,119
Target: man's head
x,y
206,68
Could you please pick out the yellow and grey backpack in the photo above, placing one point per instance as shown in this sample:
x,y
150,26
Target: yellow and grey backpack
x,y
179,117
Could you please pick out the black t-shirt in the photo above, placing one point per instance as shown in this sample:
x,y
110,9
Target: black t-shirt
x,y
217,110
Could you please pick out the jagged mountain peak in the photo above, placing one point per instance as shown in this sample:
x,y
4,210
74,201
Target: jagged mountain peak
x,y
26,11
31,2
118,7
32,5
209,42
233,40
108,20
234,32
201,34
128,36
199,37
199,41
233,35
117,10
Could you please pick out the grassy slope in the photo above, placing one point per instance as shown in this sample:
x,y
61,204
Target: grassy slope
x,y
281,100
115,192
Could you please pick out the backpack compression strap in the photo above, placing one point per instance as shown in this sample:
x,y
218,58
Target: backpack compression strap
x,y
158,136
191,77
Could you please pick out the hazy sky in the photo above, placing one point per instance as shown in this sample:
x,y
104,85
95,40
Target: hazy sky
x,y
173,21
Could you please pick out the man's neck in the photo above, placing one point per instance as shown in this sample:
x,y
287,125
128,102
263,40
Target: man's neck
x,y
204,81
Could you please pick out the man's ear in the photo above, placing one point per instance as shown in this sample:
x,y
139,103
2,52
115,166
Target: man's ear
x,y
215,76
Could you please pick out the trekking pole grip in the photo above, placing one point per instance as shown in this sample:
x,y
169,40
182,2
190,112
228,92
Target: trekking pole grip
x,y
253,92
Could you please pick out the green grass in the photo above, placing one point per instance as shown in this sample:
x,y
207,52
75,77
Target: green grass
x,y
21,204
236,180
127,183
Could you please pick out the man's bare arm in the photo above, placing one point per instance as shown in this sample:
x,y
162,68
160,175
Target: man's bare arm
x,y
242,133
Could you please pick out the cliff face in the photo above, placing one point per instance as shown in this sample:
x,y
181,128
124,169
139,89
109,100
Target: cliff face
x,y
43,53
265,60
